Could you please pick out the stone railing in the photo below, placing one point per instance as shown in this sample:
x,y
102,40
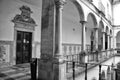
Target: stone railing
x,y
69,49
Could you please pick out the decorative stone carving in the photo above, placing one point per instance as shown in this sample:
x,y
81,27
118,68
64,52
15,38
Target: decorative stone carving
x,y
2,53
25,16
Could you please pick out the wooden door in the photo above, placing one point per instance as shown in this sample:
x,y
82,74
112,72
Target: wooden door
x,y
23,47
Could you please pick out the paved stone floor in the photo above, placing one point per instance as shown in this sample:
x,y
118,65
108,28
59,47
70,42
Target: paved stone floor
x,y
17,72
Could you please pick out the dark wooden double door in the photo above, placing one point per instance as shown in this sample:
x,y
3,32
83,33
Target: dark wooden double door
x,y
23,47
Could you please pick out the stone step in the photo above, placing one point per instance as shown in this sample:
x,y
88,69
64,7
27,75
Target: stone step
x,y
15,73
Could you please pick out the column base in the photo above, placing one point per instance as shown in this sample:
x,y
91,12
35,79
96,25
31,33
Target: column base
x,y
51,70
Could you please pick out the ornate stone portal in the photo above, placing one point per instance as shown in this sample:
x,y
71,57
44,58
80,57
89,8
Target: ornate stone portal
x,y
25,23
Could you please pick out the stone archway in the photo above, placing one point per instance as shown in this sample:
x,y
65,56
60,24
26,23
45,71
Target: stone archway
x,y
71,28
91,35
100,34
80,9
91,31
118,40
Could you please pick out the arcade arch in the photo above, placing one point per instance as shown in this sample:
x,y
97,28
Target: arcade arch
x,y
91,32
71,27
118,40
100,34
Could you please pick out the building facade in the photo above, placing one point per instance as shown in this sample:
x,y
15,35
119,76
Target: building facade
x,y
76,27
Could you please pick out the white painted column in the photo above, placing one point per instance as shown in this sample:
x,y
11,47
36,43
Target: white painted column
x,y
108,45
115,44
83,41
58,27
96,38
58,39
108,42
96,43
103,47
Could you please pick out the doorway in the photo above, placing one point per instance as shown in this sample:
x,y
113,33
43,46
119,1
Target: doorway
x,y
23,47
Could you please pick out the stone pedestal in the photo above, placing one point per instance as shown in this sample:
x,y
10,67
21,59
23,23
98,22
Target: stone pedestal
x,y
51,70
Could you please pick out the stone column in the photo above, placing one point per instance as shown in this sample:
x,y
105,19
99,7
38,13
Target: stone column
x,y
58,42
103,47
83,41
96,43
96,38
114,43
108,73
108,41
51,66
108,48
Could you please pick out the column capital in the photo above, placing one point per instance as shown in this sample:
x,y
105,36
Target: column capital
x,y
103,32
83,22
108,34
96,28
60,3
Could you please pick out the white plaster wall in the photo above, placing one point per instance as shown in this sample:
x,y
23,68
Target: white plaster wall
x,y
104,2
116,13
71,26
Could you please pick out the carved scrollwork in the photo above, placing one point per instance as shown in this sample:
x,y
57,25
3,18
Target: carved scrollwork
x,y
25,15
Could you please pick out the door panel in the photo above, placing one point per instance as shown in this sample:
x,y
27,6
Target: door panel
x,y
19,48
23,47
